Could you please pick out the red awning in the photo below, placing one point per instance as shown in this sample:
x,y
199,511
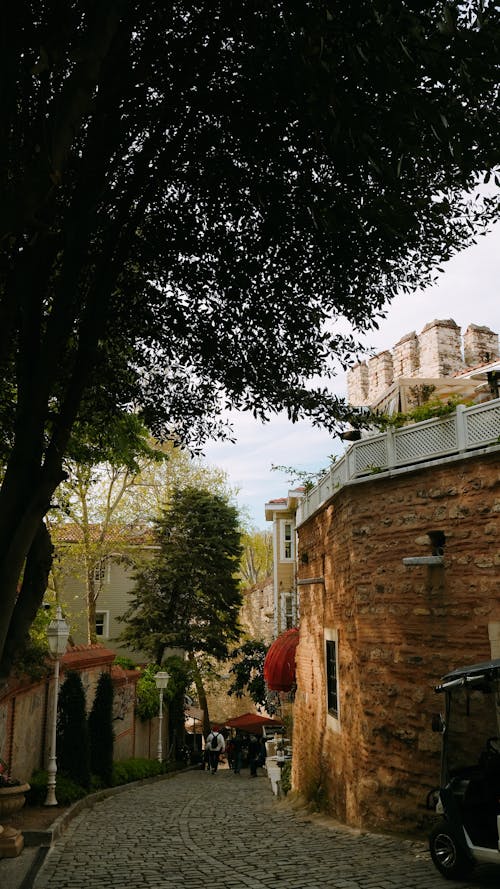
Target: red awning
x,y
252,722
279,665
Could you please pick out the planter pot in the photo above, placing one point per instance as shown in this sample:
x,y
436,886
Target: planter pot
x,y
12,799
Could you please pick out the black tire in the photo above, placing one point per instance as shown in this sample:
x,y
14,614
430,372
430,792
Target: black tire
x,y
448,854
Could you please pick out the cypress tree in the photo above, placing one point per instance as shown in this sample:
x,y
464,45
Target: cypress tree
x,y
101,730
72,731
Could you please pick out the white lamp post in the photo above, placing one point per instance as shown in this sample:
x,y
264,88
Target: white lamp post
x,y
161,680
57,637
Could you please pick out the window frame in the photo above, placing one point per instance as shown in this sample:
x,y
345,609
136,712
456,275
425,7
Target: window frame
x,y
331,642
105,623
101,572
287,543
287,610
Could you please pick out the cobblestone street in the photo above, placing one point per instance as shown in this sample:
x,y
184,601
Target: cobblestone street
x,y
229,832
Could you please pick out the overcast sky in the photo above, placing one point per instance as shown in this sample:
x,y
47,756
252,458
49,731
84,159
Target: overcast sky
x,y
468,292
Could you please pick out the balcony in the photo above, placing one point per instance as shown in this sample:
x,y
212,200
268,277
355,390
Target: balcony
x,y
458,434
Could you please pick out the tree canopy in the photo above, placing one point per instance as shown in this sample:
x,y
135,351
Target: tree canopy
x,y
248,673
189,199
188,596
116,486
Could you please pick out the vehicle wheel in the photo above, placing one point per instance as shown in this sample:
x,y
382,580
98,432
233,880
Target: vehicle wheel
x,y
447,854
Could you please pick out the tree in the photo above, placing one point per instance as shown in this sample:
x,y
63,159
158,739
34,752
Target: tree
x,y
101,735
248,673
257,557
73,751
184,191
100,476
115,487
189,595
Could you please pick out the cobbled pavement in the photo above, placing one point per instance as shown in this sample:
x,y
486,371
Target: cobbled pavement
x,y
195,829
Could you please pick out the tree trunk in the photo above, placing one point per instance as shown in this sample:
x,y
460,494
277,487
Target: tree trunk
x,y
36,573
91,607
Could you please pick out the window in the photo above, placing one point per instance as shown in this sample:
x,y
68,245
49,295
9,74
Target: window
x,y
288,621
287,547
331,672
100,571
102,624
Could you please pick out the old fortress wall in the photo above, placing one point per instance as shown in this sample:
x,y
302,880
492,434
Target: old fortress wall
x,y
438,351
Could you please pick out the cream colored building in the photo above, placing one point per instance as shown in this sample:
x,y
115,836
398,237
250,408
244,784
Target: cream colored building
x,y
281,513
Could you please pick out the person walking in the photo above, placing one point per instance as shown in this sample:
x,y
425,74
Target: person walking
x,y
237,753
215,745
253,755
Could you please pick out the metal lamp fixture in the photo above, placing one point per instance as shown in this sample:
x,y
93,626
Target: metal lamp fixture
x,y
57,638
161,681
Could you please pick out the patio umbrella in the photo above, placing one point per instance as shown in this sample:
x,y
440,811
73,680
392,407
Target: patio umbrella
x,y
252,722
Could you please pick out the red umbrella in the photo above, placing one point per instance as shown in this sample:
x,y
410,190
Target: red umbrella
x,y
252,722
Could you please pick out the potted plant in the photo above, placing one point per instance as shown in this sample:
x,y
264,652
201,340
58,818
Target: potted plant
x,y
12,792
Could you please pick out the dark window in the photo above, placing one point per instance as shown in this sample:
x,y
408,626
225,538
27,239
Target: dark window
x,y
99,571
331,677
100,621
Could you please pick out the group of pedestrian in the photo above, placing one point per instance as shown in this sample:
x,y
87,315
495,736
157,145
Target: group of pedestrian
x,y
239,748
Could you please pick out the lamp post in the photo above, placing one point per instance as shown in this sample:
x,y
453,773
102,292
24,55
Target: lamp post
x,y
57,637
161,680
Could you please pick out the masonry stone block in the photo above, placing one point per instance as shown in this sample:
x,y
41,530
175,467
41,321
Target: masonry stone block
x,y
399,630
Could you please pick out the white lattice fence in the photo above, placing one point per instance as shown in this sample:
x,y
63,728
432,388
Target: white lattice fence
x,y
482,424
372,453
469,428
425,440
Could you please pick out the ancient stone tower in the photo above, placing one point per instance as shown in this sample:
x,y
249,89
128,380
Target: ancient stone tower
x,y
438,351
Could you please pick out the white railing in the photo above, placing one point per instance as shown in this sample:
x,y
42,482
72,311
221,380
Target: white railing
x,y
465,430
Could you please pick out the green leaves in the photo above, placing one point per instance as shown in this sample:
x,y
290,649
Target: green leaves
x,y
189,595
248,673
178,239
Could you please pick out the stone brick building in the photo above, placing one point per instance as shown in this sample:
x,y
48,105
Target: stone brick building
x,y
375,634
438,352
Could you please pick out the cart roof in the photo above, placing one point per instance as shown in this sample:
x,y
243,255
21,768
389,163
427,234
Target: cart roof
x,y
462,675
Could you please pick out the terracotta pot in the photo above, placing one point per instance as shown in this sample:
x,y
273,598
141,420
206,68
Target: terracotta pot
x,y
12,799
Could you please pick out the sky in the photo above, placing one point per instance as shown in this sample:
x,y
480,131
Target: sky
x,y
468,292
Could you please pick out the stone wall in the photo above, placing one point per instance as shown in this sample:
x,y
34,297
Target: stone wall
x,y
256,619
256,616
399,630
438,351
26,711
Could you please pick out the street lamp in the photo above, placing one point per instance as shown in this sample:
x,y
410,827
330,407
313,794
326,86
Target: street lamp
x,y
161,680
57,637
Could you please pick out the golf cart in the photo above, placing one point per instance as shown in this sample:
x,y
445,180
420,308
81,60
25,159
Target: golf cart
x,y
469,796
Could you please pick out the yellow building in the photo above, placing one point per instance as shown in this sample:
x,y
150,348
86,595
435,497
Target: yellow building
x,y
281,513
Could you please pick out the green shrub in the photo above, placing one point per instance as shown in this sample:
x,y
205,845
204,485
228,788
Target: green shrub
x,y
125,662
286,777
135,770
67,792
101,730
147,702
72,731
